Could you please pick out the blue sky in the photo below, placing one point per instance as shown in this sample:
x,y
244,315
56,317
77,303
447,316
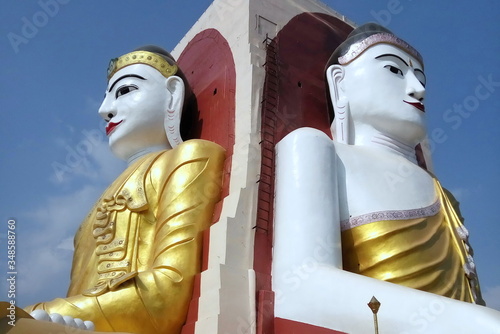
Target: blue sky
x,y
54,156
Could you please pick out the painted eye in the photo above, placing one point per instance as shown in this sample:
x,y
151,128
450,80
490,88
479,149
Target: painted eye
x,y
394,70
420,76
125,90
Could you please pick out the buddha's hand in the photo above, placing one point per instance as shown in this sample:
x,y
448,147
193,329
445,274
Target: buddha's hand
x,y
63,320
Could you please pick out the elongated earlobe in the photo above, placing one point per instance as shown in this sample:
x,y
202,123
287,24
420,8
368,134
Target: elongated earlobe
x,y
340,124
175,86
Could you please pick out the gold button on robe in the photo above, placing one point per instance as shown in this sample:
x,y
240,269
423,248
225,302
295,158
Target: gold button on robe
x,y
139,249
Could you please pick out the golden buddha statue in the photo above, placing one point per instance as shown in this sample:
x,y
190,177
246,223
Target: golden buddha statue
x,y
139,249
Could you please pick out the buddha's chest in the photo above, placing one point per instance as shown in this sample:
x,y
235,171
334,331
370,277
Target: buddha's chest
x,y
115,239
368,184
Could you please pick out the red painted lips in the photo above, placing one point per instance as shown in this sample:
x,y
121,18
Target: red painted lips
x,y
419,105
111,126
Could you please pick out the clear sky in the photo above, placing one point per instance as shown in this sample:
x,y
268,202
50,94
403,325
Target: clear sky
x,y
54,156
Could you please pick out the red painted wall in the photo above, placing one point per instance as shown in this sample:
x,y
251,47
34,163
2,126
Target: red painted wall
x,y
208,64
284,326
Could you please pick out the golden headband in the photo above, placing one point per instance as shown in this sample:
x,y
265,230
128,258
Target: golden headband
x,y
358,48
142,57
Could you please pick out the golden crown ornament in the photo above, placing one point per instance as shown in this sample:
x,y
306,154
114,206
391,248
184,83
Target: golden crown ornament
x,y
142,57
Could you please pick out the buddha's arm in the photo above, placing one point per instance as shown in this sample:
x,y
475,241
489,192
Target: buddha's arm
x,y
156,299
337,299
307,198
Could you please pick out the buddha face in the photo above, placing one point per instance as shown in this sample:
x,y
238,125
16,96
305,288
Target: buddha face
x,y
385,89
135,105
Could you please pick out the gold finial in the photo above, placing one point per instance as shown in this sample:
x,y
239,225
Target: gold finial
x,y
142,57
374,305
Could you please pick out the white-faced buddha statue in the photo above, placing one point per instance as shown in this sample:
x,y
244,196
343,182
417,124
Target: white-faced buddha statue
x,y
357,216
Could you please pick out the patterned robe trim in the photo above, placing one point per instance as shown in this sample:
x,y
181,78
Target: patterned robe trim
x,y
372,217
114,255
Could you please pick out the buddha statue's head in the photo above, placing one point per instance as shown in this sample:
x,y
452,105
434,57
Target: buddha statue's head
x,y
144,102
376,83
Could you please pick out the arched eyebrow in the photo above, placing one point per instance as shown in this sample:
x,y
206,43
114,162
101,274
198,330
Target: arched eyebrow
x,y
393,55
123,77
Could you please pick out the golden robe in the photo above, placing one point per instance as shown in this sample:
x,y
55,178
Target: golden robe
x,y
140,247
425,249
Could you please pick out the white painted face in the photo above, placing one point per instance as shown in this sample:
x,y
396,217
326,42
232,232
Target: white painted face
x,y
135,105
385,89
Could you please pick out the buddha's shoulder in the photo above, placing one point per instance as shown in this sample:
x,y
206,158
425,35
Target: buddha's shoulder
x,y
199,147
190,151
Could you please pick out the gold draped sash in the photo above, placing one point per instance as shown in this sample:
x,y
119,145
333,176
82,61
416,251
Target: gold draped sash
x,y
425,253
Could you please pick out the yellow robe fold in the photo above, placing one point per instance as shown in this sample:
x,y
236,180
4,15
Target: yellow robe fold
x,y
139,249
426,253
